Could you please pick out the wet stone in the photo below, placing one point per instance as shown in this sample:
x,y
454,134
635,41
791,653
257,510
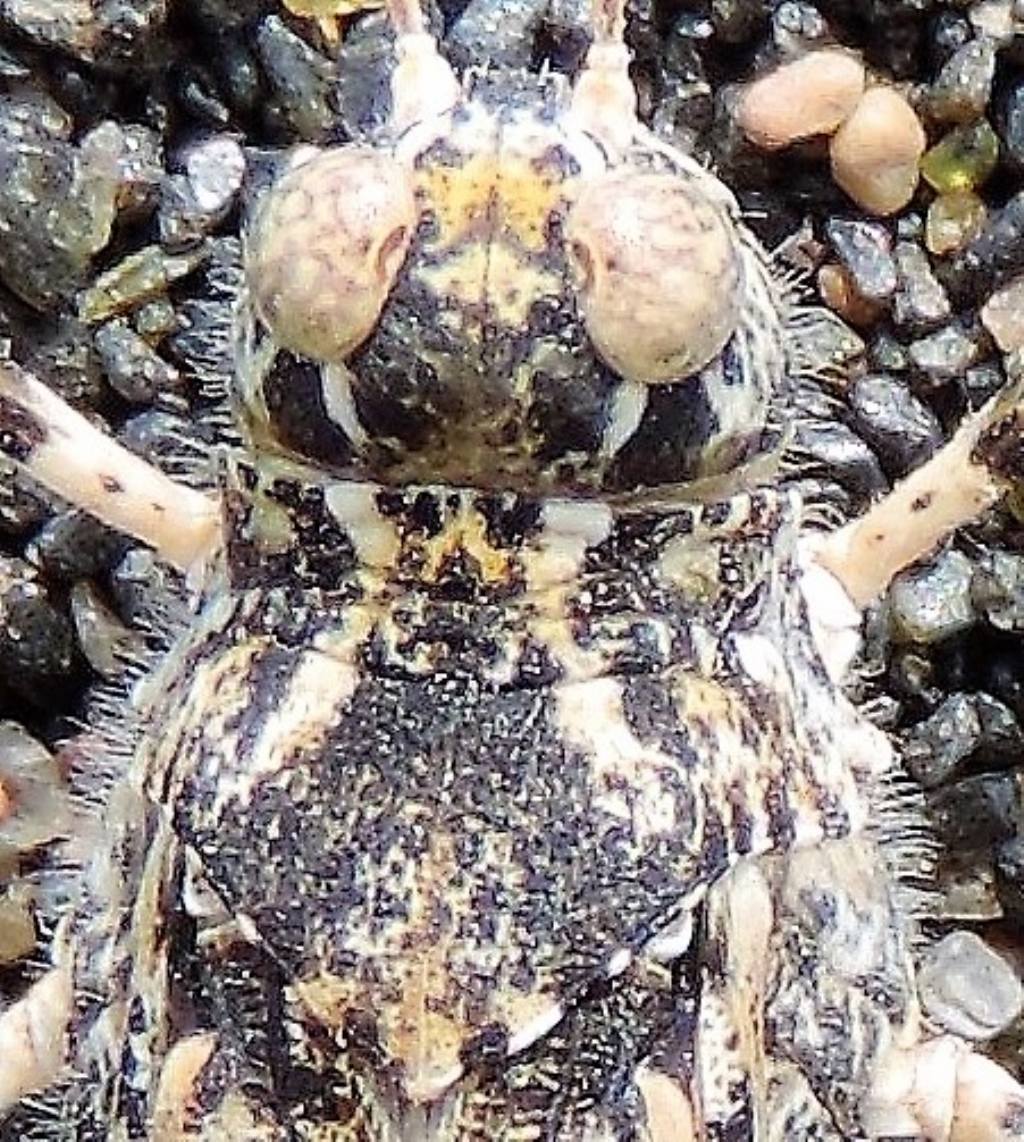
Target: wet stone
x,y
998,589
964,86
933,750
137,279
967,988
23,505
932,601
36,640
111,32
58,201
155,320
953,220
993,257
846,456
966,884
141,170
1009,867
105,641
194,204
1010,116
737,21
360,91
796,26
215,169
963,159
921,301
950,32
136,581
977,811
300,79
33,800
902,430
133,367
981,382
998,19
945,354
17,925
865,249
74,545
1003,316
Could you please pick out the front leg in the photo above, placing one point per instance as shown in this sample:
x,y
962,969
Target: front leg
x,y
60,448
964,478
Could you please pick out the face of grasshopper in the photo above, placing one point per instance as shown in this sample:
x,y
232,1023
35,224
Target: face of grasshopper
x,y
502,296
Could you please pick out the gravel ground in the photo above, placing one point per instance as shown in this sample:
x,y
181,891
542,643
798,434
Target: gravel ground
x,y
130,130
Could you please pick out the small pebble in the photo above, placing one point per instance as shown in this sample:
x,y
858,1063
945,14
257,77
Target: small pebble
x,y
1003,316
962,91
33,796
945,354
17,927
797,26
934,750
993,257
1011,121
807,97
36,641
998,589
838,290
966,883
967,989
846,456
921,301
75,545
997,20
215,169
963,159
116,33
865,248
138,278
953,220
977,812
902,429
876,152
932,601
299,78
133,367
1009,864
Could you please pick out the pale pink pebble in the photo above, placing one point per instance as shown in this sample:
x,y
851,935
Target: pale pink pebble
x,y
810,96
876,153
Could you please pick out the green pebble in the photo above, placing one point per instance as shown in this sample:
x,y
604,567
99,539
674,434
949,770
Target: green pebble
x,y
963,159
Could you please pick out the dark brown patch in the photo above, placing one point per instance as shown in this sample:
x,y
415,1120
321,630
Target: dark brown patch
x,y
923,502
112,485
1000,448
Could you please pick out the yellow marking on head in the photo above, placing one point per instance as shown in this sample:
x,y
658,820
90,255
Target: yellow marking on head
x,y
500,192
492,215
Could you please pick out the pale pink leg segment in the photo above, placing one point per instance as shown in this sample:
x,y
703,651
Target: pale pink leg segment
x,y
64,452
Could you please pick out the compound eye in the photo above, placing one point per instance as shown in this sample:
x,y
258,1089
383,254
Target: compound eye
x,y
325,248
659,271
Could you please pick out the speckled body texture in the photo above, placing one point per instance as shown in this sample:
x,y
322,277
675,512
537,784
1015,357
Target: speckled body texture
x,y
494,779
